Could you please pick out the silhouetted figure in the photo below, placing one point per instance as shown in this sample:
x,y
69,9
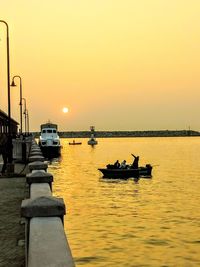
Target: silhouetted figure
x,y
4,150
116,164
135,164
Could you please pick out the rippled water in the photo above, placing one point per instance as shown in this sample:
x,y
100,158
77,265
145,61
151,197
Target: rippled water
x,y
152,222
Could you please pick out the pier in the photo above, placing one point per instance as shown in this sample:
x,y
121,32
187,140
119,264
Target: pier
x,y
12,242
31,221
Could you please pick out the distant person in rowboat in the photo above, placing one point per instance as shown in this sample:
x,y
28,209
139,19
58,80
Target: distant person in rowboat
x,y
135,164
116,164
123,164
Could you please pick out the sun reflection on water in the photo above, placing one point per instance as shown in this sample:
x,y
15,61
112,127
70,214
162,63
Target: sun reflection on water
x,y
149,222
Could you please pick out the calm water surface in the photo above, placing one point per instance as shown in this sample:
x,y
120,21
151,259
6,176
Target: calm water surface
x,y
152,222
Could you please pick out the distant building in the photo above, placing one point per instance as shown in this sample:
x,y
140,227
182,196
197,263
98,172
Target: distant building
x,y
4,123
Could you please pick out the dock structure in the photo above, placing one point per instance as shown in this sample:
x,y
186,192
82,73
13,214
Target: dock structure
x,y
4,122
31,221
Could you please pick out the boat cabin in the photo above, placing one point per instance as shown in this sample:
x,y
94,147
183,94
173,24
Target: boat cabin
x,y
49,134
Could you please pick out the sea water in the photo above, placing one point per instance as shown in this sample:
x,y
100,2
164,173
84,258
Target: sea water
x,y
150,222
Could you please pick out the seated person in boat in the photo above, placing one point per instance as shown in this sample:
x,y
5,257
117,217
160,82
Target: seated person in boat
x,y
123,165
135,163
116,164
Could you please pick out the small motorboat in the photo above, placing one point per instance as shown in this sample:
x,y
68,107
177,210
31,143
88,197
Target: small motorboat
x,y
75,143
125,173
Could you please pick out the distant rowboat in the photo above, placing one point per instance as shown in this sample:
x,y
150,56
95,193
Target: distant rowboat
x,y
75,143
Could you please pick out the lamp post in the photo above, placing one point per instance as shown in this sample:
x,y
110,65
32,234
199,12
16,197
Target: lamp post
x,y
27,115
20,103
24,112
8,88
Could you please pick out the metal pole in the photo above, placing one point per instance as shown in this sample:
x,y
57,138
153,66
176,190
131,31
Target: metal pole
x,y
27,122
8,87
24,113
20,103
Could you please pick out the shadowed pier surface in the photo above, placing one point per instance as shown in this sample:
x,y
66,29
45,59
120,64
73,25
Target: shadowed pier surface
x,y
12,231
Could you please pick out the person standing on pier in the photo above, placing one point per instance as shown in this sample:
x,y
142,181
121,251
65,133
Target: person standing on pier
x,y
4,150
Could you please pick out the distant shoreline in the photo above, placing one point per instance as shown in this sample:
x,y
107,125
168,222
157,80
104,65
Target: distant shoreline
x,y
107,134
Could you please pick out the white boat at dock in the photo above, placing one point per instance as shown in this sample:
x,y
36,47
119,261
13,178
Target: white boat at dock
x,y
49,140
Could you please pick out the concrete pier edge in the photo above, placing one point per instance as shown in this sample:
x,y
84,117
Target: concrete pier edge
x,y
46,241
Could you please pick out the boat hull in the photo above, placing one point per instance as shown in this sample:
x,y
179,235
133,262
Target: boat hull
x,y
51,151
75,143
92,142
126,173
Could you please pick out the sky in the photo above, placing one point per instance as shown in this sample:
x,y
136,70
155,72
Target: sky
x,y
115,64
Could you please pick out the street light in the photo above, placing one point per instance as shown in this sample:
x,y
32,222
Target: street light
x,y
27,115
20,103
8,88
24,112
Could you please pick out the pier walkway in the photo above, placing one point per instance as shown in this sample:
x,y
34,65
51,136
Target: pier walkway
x,y
12,229
31,218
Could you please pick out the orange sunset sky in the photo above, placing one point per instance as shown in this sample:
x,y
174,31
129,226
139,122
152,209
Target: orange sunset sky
x,y
116,64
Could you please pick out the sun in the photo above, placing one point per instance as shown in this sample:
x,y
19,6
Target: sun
x,y
65,110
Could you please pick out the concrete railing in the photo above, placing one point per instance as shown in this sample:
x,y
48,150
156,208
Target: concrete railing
x,y
21,148
47,243
38,190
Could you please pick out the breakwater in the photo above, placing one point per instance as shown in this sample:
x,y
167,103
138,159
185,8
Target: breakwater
x,y
105,134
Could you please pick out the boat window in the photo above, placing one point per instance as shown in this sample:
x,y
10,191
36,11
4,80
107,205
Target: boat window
x,y
43,131
49,131
54,131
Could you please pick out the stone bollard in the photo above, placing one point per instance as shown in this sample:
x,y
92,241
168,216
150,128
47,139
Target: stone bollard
x,y
35,149
39,177
44,206
36,158
31,154
37,165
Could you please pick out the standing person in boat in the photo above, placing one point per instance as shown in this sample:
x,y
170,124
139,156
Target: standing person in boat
x,y
116,164
123,164
135,164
